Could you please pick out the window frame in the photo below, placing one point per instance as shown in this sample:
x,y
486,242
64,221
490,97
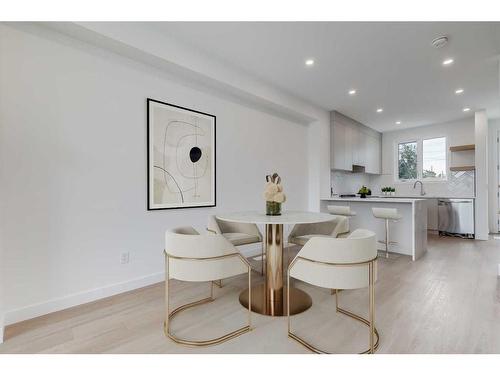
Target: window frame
x,y
396,161
435,179
420,160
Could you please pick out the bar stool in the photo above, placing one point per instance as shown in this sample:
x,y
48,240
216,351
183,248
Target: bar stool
x,y
386,214
342,211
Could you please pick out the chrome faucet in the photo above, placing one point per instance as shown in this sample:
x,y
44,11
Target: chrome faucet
x,y
422,192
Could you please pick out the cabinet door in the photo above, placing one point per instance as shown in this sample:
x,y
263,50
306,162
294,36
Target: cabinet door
x,y
348,142
377,155
432,214
362,145
337,144
372,155
355,136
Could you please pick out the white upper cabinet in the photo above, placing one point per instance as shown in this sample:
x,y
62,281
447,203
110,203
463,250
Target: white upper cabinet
x,y
337,141
353,143
373,151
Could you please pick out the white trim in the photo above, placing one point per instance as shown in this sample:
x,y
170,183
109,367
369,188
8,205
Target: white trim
x,y
1,327
71,300
420,160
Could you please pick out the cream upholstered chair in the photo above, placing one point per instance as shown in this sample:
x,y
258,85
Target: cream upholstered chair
x,y
301,233
192,257
342,211
339,263
387,214
237,233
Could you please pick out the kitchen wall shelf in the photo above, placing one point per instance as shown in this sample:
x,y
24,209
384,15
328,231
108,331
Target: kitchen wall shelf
x,y
463,168
462,148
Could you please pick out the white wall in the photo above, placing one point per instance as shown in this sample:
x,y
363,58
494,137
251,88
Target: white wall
x,y
482,190
73,169
493,154
457,133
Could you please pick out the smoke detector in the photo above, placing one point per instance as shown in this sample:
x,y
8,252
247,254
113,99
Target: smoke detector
x,y
440,41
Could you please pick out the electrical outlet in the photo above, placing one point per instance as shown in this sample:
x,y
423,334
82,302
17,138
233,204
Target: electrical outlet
x,y
124,258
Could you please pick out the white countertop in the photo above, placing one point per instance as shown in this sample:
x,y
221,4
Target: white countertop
x,y
374,200
403,197
286,217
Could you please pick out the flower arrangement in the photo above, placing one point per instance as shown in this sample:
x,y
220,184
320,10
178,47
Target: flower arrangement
x,y
273,194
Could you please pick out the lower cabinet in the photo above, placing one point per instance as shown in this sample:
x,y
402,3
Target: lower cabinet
x,y
432,214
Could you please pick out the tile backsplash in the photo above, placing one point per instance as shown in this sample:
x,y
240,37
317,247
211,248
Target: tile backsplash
x,y
459,184
348,182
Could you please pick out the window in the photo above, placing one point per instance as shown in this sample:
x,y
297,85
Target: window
x,y
434,158
421,159
407,161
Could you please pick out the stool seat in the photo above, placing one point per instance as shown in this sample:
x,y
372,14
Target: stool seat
x,y
341,210
386,213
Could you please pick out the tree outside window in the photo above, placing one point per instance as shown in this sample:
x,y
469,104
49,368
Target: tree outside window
x,y
431,165
407,161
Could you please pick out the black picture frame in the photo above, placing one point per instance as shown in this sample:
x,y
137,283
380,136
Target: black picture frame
x,y
149,157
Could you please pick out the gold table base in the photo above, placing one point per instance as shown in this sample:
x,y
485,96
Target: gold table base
x,y
300,301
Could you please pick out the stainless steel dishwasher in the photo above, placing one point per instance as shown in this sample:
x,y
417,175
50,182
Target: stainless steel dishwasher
x,y
456,217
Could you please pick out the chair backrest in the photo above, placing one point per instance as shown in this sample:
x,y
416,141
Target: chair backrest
x,y
339,210
336,263
338,224
191,256
222,226
186,242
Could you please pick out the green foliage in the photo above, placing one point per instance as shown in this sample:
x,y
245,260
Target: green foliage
x,y
407,162
364,190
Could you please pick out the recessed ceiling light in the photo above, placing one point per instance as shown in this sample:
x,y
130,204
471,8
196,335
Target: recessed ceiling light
x,y
380,110
398,122
352,92
466,109
440,41
309,62
448,62
459,91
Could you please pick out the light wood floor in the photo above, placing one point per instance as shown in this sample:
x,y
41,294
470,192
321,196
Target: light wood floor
x,y
447,302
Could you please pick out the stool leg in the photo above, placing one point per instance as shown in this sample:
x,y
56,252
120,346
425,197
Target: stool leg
x,y
387,238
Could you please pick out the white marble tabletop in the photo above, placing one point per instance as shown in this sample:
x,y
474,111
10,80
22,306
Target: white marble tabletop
x,y
286,217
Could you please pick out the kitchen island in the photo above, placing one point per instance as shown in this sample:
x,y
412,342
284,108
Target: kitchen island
x,y
410,232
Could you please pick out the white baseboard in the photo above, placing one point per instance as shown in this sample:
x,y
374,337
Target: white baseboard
x,y
61,303
71,300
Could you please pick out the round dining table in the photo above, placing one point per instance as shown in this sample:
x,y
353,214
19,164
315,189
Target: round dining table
x,y
269,297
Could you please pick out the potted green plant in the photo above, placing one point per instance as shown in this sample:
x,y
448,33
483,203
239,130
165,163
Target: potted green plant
x,y
393,191
363,191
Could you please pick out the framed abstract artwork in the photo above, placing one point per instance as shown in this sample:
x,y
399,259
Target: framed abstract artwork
x,y
181,157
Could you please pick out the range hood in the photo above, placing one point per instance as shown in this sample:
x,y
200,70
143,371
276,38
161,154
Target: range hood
x,y
358,168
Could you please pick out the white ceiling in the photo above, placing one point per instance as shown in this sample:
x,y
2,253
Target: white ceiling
x,y
390,64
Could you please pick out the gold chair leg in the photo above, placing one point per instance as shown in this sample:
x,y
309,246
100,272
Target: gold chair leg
x,y
218,283
170,315
262,259
374,335
371,282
